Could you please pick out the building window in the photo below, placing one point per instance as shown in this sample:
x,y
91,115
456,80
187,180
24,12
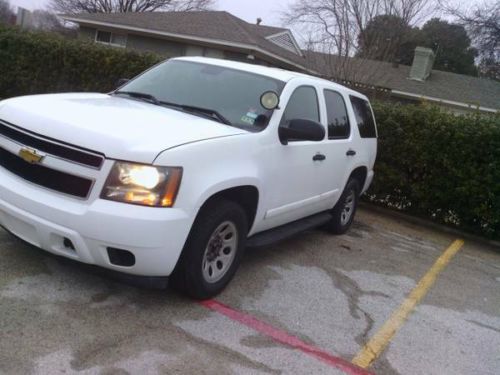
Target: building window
x,y
112,39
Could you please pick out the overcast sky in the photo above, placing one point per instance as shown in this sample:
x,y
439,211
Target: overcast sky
x,y
249,10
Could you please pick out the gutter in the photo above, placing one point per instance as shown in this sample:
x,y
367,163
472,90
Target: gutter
x,y
443,101
184,37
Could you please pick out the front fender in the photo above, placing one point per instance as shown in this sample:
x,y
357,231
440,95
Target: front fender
x,y
212,166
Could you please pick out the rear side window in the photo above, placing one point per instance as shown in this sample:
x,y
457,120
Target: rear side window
x,y
364,117
338,121
303,104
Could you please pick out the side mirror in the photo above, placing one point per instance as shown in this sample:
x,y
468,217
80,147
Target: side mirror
x,y
301,130
121,82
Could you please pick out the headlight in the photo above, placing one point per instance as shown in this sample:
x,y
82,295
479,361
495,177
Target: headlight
x,y
142,184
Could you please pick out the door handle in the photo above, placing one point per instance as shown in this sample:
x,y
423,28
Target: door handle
x,y
350,153
319,157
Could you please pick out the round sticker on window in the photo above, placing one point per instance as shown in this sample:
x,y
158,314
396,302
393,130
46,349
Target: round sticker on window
x,y
269,100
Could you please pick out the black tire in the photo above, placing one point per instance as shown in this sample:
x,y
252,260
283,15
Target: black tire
x,y
190,276
339,224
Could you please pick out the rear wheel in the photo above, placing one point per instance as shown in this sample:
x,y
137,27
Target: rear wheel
x,y
344,211
213,250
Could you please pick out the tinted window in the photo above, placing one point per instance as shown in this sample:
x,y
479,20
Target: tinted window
x,y
235,94
338,121
364,117
303,104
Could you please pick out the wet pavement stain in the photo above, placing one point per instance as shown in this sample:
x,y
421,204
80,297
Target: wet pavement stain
x,y
330,291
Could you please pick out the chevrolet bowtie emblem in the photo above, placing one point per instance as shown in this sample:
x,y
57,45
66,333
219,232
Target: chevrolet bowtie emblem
x,y
31,156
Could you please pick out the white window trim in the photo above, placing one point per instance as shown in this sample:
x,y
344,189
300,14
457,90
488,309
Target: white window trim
x,y
110,44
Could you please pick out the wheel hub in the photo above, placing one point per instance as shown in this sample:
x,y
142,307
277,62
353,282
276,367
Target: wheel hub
x,y
215,247
348,208
220,252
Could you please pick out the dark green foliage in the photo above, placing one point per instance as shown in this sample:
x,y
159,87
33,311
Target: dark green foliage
x,y
389,38
435,164
37,62
452,46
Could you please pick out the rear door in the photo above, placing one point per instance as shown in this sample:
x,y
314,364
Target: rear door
x,y
339,151
367,129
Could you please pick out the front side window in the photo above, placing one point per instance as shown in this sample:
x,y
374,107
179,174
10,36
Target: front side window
x,y
235,94
338,121
364,117
303,105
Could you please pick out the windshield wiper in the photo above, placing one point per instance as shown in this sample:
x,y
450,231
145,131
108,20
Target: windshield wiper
x,y
206,112
139,95
212,113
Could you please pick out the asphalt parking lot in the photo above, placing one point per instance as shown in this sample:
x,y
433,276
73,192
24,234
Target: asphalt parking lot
x,y
305,306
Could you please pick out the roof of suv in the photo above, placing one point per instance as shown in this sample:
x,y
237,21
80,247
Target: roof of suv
x,y
276,73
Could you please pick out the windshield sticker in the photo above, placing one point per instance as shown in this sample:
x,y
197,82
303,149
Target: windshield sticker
x,y
248,120
252,114
250,117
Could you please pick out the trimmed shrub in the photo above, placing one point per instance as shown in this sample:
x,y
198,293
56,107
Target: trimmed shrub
x,y
38,62
435,164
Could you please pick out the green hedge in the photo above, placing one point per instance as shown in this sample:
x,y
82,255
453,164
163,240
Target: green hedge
x,y
35,62
438,165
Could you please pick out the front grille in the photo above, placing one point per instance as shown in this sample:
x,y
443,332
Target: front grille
x,y
68,152
46,177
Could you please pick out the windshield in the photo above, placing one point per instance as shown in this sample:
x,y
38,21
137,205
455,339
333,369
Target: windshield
x,y
235,94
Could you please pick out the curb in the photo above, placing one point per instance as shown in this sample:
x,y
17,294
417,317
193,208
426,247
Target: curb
x,y
428,224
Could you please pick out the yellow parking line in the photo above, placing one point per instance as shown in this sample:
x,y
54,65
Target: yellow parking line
x,y
377,343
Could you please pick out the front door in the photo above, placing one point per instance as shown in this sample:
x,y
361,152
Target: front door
x,y
294,171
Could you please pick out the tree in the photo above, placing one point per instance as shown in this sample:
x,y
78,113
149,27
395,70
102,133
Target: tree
x,y
483,25
451,45
122,6
6,13
489,67
388,38
337,26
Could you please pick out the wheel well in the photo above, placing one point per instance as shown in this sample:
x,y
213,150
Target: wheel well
x,y
246,196
360,174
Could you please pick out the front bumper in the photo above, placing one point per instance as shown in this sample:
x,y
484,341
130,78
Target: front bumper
x,y
155,236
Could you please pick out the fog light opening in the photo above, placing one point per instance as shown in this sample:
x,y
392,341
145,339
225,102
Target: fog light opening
x,y
68,244
120,257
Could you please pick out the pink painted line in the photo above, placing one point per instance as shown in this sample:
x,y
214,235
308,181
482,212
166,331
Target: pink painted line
x,y
284,338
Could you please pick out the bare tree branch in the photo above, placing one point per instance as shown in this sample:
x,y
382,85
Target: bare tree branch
x,y
334,27
482,22
122,6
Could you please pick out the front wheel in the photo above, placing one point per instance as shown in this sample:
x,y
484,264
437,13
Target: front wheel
x,y
213,250
345,209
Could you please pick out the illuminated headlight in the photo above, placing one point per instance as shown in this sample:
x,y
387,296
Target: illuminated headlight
x,y
142,184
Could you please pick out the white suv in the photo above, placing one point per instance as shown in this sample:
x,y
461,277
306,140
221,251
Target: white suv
x,y
181,168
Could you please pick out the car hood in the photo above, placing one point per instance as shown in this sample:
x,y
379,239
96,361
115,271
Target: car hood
x,y
118,127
